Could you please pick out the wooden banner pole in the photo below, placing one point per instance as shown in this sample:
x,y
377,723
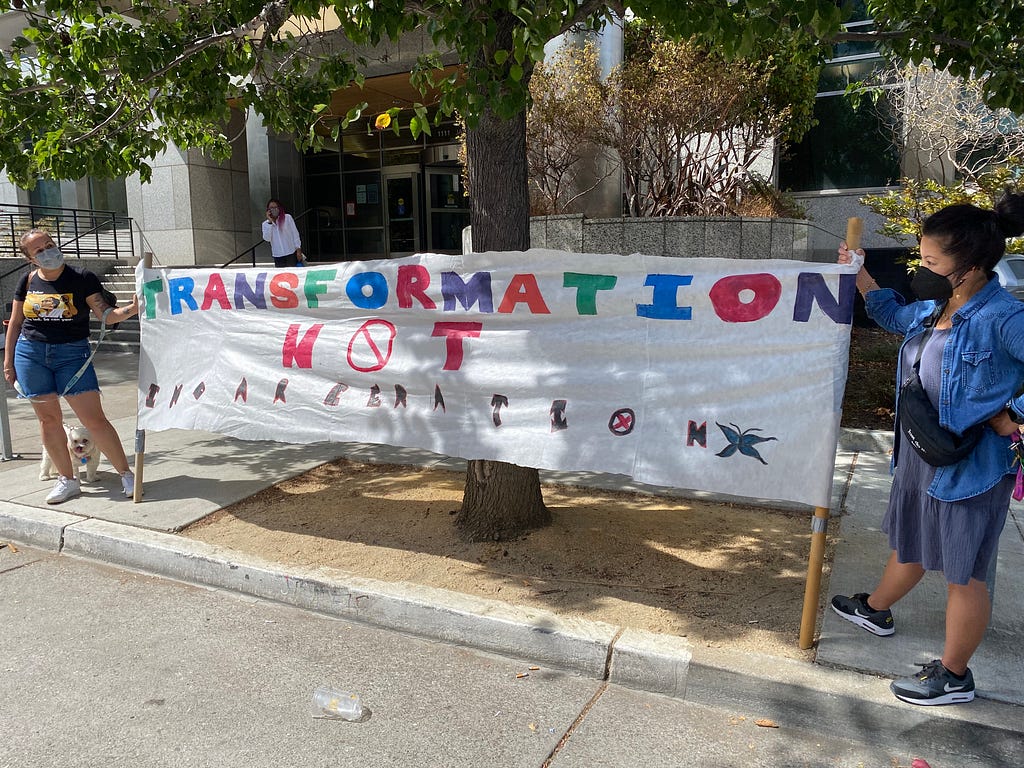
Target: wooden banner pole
x,y
812,587
140,434
819,523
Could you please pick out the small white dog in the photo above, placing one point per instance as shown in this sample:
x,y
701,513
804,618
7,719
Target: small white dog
x,y
83,451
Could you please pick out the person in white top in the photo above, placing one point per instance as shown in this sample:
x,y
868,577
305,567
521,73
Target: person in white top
x,y
279,230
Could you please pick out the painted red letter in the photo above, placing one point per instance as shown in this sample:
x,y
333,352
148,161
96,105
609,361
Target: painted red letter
x,y
454,333
725,297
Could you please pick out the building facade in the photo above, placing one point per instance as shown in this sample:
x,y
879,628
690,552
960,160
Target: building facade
x,y
373,194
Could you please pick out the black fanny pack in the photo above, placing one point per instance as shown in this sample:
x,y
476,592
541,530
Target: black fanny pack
x,y
919,420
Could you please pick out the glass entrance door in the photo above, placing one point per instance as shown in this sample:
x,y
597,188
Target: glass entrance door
x,y
448,208
403,228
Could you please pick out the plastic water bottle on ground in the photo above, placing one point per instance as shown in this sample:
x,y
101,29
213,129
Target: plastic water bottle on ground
x,y
335,704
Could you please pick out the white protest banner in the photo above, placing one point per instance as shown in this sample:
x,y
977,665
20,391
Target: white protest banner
x,y
721,375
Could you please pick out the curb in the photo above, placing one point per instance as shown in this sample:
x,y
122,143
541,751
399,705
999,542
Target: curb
x,y
35,527
628,657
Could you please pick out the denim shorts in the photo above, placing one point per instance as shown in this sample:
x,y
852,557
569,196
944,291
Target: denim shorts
x,y
46,369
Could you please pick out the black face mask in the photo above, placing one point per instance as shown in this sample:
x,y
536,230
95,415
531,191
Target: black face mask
x,y
928,285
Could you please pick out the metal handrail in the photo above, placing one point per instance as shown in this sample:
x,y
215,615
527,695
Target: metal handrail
x,y
252,248
23,217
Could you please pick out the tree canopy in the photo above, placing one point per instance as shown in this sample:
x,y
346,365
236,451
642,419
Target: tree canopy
x,y
100,89
905,209
980,39
567,147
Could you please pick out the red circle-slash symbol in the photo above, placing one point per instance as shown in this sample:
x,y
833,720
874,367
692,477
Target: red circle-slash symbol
x,y
622,422
367,344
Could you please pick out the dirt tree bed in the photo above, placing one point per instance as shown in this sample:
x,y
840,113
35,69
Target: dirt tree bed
x,y
723,575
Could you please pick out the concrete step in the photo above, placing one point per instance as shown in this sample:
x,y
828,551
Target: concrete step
x,y
128,332
103,244
131,324
123,293
119,280
127,337
124,331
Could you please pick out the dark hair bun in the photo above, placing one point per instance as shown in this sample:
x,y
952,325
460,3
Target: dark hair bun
x,y
1010,214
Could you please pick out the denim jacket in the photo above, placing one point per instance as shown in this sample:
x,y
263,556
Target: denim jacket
x,y
982,371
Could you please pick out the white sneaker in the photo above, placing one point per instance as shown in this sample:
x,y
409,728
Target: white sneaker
x,y
64,489
128,483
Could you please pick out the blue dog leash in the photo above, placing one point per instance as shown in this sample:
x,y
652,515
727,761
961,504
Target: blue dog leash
x,y
103,332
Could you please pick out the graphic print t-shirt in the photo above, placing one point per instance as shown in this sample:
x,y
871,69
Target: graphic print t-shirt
x,y
56,311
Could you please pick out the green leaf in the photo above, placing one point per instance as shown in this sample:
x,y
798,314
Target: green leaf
x,y
91,61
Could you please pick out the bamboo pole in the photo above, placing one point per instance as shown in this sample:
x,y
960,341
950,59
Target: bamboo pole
x,y
140,434
854,229
812,587
819,523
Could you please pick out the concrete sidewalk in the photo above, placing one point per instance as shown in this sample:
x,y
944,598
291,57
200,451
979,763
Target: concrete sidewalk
x,y
188,475
998,665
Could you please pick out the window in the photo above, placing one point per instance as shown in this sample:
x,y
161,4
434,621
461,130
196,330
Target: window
x,y
347,181
46,195
848,148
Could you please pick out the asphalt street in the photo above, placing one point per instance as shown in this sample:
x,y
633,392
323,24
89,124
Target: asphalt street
x,y
108,667
127,644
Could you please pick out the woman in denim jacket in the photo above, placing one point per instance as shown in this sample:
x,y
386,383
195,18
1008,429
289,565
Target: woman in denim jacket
x,y
972,367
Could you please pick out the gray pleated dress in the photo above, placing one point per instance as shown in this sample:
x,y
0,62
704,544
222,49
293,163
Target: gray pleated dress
x,y
959,537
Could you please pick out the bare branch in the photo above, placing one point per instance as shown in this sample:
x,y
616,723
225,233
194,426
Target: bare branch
x,y
941,124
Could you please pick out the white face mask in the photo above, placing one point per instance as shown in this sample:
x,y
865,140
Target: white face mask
x,y
51,258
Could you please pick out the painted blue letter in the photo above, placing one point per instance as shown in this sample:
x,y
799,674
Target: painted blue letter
x,y
378,290
664,306
811,287
179,289
478,289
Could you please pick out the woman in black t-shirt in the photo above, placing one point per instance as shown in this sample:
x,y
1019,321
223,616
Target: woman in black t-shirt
x,y
46,348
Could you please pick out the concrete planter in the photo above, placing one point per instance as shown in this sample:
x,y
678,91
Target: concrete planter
x,y
723,237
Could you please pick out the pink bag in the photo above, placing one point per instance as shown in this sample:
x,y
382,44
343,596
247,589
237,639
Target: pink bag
x,y
1018,450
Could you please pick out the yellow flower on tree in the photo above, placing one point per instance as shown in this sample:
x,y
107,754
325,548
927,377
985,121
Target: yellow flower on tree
x,y
383,121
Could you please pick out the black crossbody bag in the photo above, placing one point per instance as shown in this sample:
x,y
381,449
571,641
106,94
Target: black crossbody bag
x,y
919,420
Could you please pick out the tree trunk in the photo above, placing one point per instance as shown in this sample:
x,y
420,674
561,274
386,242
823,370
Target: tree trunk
x,y
499,195
501,501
